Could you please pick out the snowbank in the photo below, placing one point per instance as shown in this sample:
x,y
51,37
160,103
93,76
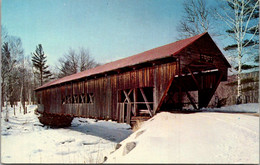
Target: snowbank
x,y
192,138
205,137
25,140
243,108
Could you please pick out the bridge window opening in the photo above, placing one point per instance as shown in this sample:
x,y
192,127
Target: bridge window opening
x,y
145,97
90,98
67,100
125,96
79,99
82,98
135,102
75,99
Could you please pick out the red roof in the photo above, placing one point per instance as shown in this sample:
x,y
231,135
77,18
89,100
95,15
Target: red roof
x,y
168,50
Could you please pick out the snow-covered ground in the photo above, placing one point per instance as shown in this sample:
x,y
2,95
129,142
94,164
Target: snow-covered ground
x,y
25,140
203,137
244,108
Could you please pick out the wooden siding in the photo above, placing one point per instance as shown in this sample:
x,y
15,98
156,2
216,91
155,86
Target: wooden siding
x,y
105,91
163,75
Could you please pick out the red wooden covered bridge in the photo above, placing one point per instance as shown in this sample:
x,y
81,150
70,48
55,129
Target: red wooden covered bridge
x,y
183,74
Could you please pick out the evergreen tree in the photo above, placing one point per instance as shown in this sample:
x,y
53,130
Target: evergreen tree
x,y
39,63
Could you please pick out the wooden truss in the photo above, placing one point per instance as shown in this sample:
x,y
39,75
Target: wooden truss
x,y
131,105
82,98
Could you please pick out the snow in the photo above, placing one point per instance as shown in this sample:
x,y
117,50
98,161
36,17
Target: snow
x,y
202,137
245,108
25,140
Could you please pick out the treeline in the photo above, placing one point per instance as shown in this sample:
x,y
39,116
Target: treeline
x,y
21,74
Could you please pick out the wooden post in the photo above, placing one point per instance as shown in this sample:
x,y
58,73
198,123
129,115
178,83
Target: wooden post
x,y
135,100
122,112
128,113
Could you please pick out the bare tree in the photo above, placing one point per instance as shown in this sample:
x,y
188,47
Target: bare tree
x,y
7,64
29,79
239,16
68,64
196,18
16,51
4,35
11,53
16,77
85,60
22,85
73,62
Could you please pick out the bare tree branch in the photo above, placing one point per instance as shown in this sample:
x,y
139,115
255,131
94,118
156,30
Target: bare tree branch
x,y
73,62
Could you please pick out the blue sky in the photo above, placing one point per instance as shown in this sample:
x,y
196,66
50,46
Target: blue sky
x,y
110,29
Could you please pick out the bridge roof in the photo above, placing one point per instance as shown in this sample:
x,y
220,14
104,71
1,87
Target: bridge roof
x,y
161,52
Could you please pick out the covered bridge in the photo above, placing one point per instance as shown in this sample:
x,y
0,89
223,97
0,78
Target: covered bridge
x,y
182,74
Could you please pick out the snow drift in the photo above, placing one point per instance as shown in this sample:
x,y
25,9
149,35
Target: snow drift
x,y
240,108
204,137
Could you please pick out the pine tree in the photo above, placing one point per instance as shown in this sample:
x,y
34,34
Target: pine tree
x,y
39,62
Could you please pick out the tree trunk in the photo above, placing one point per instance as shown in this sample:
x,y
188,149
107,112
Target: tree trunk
x,y
14,109
239,95
6,110
2,96
23,99
29,97
34,85
41,77
21,95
